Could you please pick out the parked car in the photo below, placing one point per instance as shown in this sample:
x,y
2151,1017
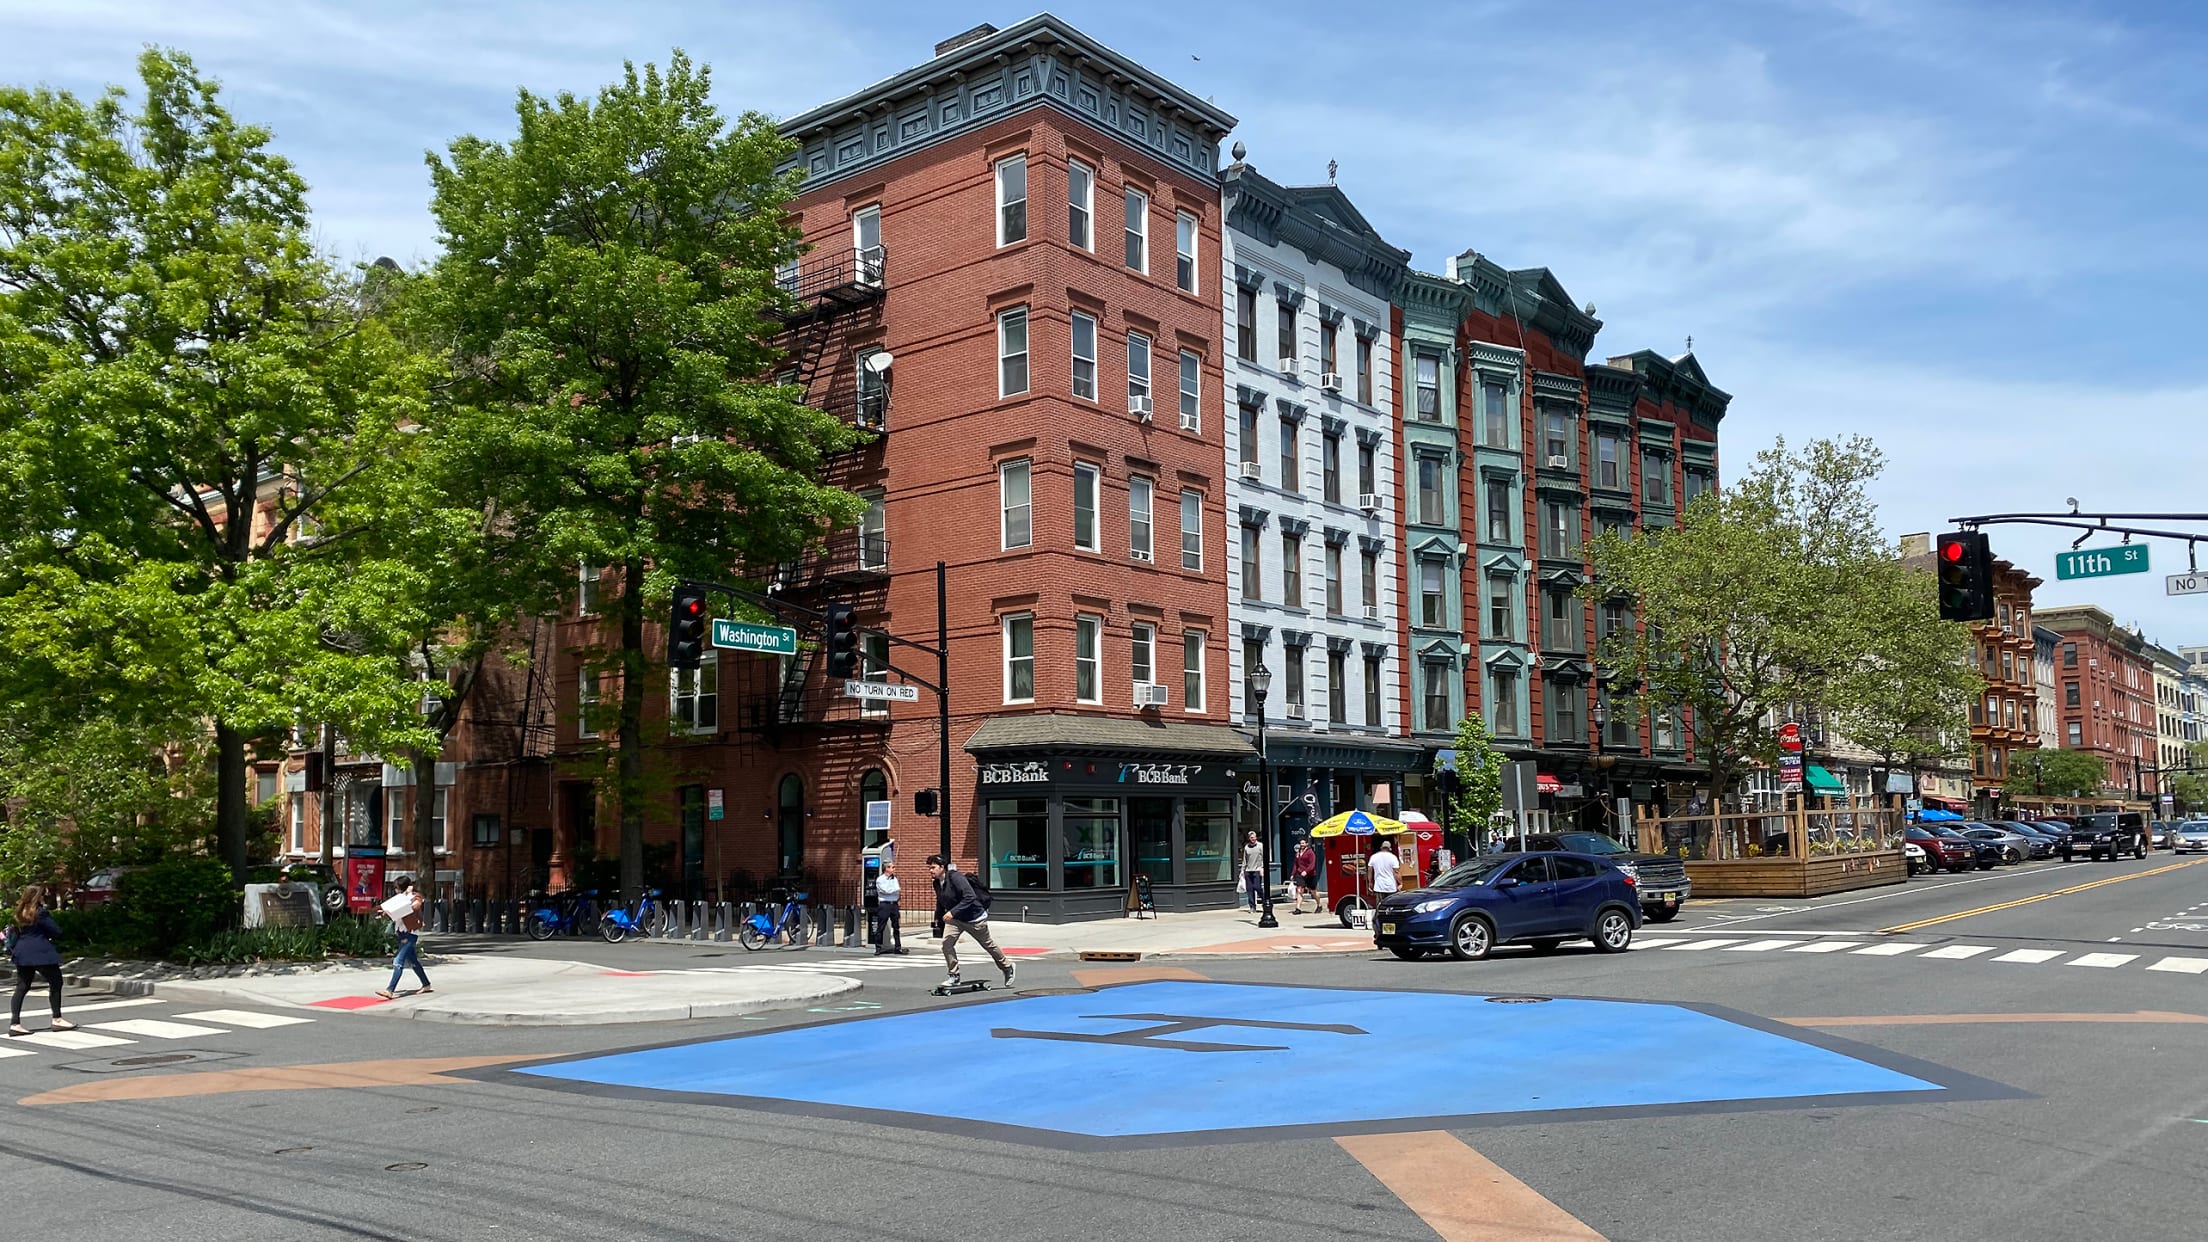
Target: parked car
x,y
1987,854
331,887
2192,837
1541,899
1914,856
1661,879
2113,833
1942,853
2165,834
2015,847
2053,836
99,888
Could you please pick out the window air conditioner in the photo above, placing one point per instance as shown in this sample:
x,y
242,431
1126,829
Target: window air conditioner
x,y
1372,612
1139,407
1288,366
1331,381
1295,711
1151,694
1369,501
1252,471
1140,554
1559,463
1188,422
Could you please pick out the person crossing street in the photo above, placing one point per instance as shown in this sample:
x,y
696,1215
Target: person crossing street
x,y
960,908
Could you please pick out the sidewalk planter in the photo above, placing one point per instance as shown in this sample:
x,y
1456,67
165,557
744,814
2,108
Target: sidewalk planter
x,y
1794,852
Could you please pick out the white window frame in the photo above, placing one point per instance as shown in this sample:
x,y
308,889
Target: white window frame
x,y
1088,657
1374,670
440,807
1141,501
1184,251
394,814
1008,321
1084,365
1081,205
1192,390
1138,380
1192,506
701,687
1436,617
1142,653
586,589
1024,470
1006,204
866,256
587,694
873,531
1089,477
1192,670
298,823
1291,570
1137,229
1005,629
873,666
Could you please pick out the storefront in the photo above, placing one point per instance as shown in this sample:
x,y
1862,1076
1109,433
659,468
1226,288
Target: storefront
x,y
1316,778
1073,808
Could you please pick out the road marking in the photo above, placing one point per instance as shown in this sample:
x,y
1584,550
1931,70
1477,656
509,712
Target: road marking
x,y
1689,946
2025,901
1101,976
2030,957
72,1040
1888,950
2102,959
154,1029
1957,952
411,1073
1761,946
114,1004
1825,946
6,1051
1958,1019
2182,965
240,1017
1654,942
1460,1194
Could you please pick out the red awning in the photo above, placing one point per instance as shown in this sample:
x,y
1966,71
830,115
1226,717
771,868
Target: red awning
x,y
1545,783
1946,804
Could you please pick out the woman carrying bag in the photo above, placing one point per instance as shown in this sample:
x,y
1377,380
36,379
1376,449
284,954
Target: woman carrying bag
x,y
31,937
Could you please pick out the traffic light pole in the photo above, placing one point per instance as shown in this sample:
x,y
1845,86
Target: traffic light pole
x,y
2093,523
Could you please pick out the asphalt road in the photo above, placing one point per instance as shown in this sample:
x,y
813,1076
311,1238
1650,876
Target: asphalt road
x,y
2064,1095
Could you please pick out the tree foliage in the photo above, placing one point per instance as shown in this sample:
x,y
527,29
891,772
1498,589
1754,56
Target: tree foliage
x,y
1905,696
604,295
2048,773
1479,779
2190,787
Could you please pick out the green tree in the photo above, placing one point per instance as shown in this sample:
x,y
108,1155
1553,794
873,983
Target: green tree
x,y
185,386
2046,773
2190,787
1479,779
1906,696
80,794
604,293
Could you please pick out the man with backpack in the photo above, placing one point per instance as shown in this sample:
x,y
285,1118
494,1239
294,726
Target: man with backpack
x,y
962,905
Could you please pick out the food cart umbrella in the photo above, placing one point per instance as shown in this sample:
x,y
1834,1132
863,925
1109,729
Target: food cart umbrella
x,y
1359,824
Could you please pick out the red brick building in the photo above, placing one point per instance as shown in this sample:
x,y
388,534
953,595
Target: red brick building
x,y
2005,719
2104,686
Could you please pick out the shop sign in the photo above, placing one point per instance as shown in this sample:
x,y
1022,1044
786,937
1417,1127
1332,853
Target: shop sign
x,y
1159,773
1029,772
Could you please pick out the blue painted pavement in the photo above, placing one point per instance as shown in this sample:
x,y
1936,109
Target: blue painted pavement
x,y
1167,1058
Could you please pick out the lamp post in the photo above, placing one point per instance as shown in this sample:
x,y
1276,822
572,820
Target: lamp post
x,y
1598,716
1261,681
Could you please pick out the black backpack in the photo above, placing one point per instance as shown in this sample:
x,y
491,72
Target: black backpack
x,y
981,889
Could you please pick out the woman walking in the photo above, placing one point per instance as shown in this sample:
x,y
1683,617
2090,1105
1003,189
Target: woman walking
x,y
31,946
404,909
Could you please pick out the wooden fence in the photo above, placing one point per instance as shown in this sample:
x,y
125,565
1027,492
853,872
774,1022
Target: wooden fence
x,y
1796,851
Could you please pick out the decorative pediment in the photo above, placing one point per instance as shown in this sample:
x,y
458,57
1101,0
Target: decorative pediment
x,y
1365,331
1332,314
1337,642
1372,543
1291,409
1253,516
1375,649
1566,668
1295,639
1287,295
1248,398
1252,632
1333,424
1562,578
1294,525
1336,537
1370,437
1249,278
1506,657
1435,545
1439,649
1503,563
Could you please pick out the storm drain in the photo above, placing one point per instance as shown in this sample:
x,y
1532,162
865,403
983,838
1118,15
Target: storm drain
x,y
151,1060
1519,1000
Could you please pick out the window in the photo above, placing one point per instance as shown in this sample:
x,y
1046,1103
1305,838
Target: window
x,y
2008,666
2072,735
1246,442
1502,708
439,803
1428,369
1138,368
1080,202
1559,529
1091,842
1564,713
1192,530
2069,655
873,666
1368,575
1337,687
1620,728
1556,437
1012,200
1613,617
1372,692
1012,352
1192,392
1014,496
1498,607
484,832
586,703
1334,579
1664,727
1563,625
1288,351
1609,468
1364,370
1085,480
1429,491
298,823
1192,670
1655,478
264,788
1139,492
1432,610
586,589
1253,659
1138,230
1143,656
1368,469
866,244
696,695
1084,356
1184,252
1498,511
1245,323
1698,482
2008,712
1435,715
1088,666
1330,467
1292,668
1330,337
2069,694
873,532
1252,581
1291,473
1495,420
1019,828
1019,658
1291,570
395,830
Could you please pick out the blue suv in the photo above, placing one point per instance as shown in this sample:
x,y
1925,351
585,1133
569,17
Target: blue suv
x,y
1539,899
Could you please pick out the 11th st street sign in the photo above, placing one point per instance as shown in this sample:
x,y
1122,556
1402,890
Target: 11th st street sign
x,y
743,636
2129,558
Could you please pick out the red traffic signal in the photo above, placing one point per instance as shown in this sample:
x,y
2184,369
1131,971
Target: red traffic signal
x,y
1966,577
686,624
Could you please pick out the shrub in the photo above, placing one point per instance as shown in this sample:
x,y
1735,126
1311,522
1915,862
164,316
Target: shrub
x,y
359,937
176,902
94,931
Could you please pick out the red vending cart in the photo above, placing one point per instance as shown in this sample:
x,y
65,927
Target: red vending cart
x,y
1347,840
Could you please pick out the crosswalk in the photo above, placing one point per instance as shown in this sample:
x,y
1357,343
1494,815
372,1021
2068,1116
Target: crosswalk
x,y
109,1024
1861,946
823,965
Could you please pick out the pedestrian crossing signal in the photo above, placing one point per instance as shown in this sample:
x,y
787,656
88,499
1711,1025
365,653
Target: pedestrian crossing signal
x,y
1966,577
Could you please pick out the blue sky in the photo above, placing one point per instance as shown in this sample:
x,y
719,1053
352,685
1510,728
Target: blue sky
x,y
1969,230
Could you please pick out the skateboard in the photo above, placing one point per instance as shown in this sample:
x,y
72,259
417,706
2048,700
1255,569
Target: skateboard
x,y
960,988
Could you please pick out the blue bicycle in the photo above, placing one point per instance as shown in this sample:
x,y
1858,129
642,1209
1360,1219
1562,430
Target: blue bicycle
x,y
569,914
646,920
759,930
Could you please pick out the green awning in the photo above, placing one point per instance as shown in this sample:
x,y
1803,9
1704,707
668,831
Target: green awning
x,y
1821,781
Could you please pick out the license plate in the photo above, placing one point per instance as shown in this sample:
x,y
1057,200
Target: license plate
x,y
1671,899
1387,929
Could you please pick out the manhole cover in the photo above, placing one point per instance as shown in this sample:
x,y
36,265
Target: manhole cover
x,y
1517,1000
150,1060
408,1166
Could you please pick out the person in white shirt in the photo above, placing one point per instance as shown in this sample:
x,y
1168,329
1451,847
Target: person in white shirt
x,y
888,936
1383,865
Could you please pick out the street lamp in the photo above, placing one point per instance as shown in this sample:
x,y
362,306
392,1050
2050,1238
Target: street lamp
x,y
1261,681
1599,716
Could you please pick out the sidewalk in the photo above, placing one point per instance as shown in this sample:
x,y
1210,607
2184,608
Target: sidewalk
x,y
483,989
1204,933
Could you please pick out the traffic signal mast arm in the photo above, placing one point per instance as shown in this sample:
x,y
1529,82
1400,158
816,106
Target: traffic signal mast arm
x,y
2095,523
779,606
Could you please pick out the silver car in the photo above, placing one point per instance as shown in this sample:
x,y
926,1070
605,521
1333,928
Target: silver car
x,y
2192,837
2015,846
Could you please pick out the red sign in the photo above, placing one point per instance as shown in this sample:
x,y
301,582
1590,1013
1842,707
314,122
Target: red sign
x,y
1790,737
363,880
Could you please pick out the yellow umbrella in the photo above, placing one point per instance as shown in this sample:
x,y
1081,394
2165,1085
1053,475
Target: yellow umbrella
x,y
1359,824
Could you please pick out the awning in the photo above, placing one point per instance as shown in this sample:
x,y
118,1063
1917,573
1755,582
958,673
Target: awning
x,y
1821,781
1545,783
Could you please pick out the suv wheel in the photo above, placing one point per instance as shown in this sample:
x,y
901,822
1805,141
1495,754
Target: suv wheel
x,y
1470,938
1613,931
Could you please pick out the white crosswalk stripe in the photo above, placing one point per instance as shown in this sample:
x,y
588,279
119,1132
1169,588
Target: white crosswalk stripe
x,y
2102,959
1825,946
154,1029
72,1040
244,1018
125,1031
1761,946
2182,965
1957,952
1654,942
2030,957
1688,946
1888,950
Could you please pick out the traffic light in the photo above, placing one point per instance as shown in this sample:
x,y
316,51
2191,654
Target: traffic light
x,y
686,625
842,641
1966,577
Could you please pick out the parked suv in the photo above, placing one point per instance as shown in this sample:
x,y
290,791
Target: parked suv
x,y
1661,879
2110,833
1537,899
1942,853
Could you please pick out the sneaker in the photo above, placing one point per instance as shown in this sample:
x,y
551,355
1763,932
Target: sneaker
x,y
1011,972
951,982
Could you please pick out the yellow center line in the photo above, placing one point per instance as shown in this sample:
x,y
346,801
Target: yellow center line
x,y
2025,901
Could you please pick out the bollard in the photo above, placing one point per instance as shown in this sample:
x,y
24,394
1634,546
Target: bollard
x,y
698,921
670,928
852,937
724,916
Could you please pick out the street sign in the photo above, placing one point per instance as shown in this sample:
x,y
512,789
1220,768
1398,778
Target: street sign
x,y
716,806
2128,558
880,690
744,636
2185,584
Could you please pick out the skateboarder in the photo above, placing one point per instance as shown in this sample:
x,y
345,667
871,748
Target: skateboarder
x,y
958,908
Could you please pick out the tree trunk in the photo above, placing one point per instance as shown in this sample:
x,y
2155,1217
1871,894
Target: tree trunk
x,y
328,810
230,799
425,802
630,785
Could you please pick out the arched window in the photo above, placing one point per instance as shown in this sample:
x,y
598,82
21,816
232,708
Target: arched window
x,y
790,823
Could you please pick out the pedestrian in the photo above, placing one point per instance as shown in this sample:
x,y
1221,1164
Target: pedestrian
x,y
31,946
404,909
1383,865
886,931
1253,869
959,908
1304,877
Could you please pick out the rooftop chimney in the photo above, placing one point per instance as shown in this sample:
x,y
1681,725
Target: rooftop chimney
x,y
957,41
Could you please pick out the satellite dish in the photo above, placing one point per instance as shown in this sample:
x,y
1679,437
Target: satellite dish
x,y
878,361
